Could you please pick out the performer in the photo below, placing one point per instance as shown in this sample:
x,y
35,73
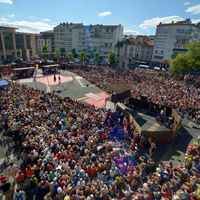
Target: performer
x,y
54,78
59,79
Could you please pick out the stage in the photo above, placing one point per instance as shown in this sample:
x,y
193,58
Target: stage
x,y
69,85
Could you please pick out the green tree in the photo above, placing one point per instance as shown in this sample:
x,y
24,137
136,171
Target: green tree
x,y
112,59
57,54
45,51
62,51
97,58
83,57
70,57
186,62
74,53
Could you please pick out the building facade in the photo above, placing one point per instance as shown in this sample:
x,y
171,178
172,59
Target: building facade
x,y
99,38
8,47
68,36
14,44
171,39
26,44
45,39
102,38
131,50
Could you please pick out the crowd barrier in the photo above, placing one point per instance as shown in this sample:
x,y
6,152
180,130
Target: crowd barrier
x,y
159,136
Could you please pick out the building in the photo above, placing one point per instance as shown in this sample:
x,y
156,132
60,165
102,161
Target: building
x,y
69,36
14,44
45,39
135,49
26,45
99,38
102,38
8,48
172,37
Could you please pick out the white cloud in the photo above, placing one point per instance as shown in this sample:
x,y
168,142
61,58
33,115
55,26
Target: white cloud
x,y
27,26
11,15
195,21
152,23
187,3
195,10
104,14
46,20
131,32
6,1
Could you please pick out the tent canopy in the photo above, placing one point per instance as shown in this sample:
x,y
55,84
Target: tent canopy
x,y
3,83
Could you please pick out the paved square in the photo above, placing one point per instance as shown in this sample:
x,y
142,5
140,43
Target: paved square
x,y
49,80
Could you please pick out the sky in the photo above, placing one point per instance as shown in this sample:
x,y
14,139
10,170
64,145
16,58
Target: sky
x,y
136,16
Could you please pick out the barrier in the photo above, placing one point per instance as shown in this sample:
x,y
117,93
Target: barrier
x,y
156,133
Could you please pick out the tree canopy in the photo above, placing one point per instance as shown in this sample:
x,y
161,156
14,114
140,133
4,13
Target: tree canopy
x,y
82,57
187,62
70,57
112,59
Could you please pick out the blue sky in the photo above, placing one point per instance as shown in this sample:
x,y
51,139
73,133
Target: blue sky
x,y
137,16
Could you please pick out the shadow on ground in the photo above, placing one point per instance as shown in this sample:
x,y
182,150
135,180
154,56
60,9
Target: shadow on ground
x,y
174,151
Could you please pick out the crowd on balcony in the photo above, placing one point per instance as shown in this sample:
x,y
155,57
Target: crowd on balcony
x,y
72,151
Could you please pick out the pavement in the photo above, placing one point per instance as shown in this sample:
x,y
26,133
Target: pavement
x,y
70,85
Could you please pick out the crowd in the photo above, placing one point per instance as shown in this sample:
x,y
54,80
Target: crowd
x,y
157,87
71,151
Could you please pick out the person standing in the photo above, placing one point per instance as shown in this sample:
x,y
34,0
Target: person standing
x,y
59,79
54,78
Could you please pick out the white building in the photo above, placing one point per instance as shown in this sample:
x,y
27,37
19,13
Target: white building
x,y
132,50
102,38
68,36
99,38
171,38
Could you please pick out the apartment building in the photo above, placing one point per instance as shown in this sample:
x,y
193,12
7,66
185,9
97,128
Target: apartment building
x,y
68,36
26,45
171,38
99,38
45,39
102,38
133,49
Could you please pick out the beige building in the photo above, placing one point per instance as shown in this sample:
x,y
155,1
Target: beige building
x,y
26,45
134,49
101,38
68,36
14,44
8,48
45,39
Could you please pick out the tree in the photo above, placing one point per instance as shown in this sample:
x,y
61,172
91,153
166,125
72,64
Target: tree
x,y
57,54
82,57
112,59
45,51
74,53
97,58
62,51
70,57
187,62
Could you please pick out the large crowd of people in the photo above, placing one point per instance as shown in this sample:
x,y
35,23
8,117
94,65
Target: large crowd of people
x,y
158,87
72,151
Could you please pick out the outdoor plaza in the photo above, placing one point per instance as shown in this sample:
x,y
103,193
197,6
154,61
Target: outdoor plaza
x,y
66,144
